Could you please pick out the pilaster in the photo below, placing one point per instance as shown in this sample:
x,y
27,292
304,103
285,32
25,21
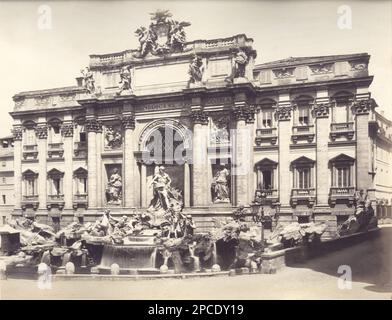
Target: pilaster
x,y
42,135
92,126
283,116
67,133
17,133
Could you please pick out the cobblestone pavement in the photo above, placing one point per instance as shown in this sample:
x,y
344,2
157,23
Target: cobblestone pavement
x,y
370,262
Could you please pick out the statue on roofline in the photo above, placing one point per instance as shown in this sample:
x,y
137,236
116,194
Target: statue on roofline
x,y
88,80
125,80
196,70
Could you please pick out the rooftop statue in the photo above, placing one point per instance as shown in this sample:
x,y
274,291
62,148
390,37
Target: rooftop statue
x,y
163,35
126,78
88,80
196,70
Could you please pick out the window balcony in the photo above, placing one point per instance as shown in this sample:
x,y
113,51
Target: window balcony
x,y
80,200
303,132
55,149
267,196
307,195
55,200
29,201
80,149
30,151
266,135
341,194
342,129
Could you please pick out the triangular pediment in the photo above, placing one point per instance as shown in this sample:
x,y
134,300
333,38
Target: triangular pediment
x,y
302,161
342,158
266,162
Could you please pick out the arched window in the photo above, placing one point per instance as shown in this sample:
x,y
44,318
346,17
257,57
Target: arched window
x,y
29,137
302,111
265,114
341,112
54,131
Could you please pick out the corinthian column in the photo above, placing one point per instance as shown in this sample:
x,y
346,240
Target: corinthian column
x,y
92,126
17,133
67,133
200,161
98,140
42,135
128,123
243,153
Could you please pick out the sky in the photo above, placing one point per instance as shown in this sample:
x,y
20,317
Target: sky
x,y
34,58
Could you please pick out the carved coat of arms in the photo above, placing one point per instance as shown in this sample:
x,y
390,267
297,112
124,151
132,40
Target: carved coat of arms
x,y
164,35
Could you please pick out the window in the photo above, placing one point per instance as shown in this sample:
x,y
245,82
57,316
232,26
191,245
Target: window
x,y
303,115
265,119
343,177
342,167
303,178
30,183
4,180
267,179
303,173
3,163
80,181
265,174
29,136
55,179
55,134
82,136
4,199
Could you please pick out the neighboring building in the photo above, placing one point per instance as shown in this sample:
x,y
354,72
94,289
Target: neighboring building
x,y
307,138
7,192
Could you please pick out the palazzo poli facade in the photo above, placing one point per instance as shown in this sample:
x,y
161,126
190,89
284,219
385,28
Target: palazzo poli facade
x,y
300,133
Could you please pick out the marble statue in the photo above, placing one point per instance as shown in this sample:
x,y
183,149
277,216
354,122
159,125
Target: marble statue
x,y
240,60
125,80
113,138
114,188
196,70
88,80
161,184
220,186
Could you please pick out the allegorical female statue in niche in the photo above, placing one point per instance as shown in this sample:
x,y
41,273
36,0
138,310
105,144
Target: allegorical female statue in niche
x,y
220,185
114,188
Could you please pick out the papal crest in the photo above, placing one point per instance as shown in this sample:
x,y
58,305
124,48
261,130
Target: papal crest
x,y
163,36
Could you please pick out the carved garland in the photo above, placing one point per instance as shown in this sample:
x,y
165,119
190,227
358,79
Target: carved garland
x,y
42,131
67,130
283,113
363,106
321,110
17,133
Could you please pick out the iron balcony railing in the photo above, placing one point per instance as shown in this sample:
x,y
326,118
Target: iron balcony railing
x,y
265,132
345,126
342,191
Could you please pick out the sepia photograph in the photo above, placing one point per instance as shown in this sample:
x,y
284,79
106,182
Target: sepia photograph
x,y
196,150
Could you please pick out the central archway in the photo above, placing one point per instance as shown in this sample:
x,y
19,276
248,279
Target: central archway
x,y
165,143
